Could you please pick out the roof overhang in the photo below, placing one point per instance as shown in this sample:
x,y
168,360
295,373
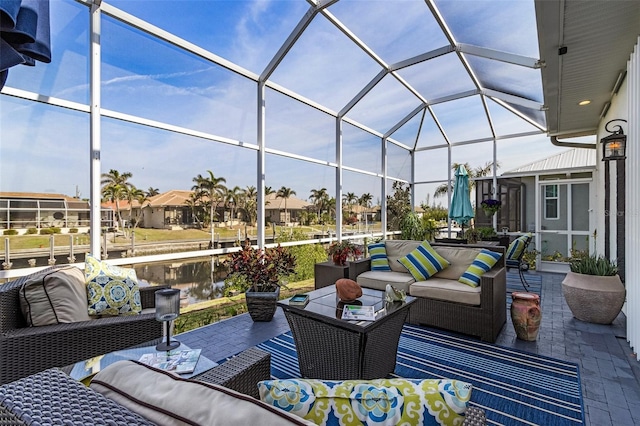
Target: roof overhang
x,y
585,46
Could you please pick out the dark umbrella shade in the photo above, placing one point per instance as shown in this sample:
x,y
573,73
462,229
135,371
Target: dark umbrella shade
x,y
460,209
24,34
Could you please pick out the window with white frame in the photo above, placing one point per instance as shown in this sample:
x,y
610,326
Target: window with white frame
x,y
551,202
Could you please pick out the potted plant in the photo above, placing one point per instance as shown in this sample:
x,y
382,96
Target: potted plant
x,y
340,251
259,273
490,206
593,289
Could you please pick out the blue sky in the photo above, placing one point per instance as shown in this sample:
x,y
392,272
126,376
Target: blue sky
x,y
46,149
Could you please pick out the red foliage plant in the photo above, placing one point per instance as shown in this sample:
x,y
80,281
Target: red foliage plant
x,y
262,270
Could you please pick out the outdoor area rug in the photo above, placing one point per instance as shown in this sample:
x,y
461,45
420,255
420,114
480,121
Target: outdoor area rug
x,y
513,387
514,284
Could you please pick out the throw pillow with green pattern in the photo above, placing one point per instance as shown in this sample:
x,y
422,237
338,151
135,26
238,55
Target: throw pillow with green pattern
x,y
423,262
483,262
378,253
365,402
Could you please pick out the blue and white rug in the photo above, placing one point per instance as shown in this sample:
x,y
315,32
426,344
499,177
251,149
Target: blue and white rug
x,y
513,387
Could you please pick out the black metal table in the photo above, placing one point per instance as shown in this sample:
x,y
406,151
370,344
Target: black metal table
x,y
331,348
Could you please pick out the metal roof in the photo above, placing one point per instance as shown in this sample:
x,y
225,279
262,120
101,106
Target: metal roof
x,y
573,159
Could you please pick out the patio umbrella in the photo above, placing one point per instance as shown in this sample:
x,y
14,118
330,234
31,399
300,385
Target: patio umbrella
x,y
460,209
24,34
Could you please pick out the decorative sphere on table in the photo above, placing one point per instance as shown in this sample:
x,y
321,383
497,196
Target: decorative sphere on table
x,y
348,290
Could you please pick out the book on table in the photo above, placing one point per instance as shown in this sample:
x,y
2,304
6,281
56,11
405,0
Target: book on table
x,y
299,300
358,313
181,361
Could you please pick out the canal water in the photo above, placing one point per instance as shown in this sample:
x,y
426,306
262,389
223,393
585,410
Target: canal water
x,y
199,279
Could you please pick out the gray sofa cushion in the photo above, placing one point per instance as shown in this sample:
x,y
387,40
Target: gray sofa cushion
x,y
460,259
446,289
397,249
54,297
378,280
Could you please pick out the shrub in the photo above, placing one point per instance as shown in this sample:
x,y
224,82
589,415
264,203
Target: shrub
x,y
10,232
49,231
32,231
73,230
486,232
594,265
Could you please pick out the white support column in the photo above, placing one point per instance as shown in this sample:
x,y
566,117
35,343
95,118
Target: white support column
x,y
449,189
339,178
260,184
383,200
95,195
632,197
494,219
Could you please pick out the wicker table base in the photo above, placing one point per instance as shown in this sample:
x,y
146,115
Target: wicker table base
x,y
330,348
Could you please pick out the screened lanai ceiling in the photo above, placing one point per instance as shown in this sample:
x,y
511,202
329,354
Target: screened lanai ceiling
x,y
424,73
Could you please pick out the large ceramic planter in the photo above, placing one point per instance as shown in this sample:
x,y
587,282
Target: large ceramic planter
x,y
526,315
593,298
262,304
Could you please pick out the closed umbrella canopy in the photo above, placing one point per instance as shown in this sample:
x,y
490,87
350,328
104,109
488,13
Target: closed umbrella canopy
x,y
460,209
24,34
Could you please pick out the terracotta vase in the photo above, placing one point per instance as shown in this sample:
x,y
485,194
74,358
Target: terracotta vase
x,y
526,315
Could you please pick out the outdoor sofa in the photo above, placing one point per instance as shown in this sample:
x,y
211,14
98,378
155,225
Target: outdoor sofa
x,y
25,349
132,393
442,301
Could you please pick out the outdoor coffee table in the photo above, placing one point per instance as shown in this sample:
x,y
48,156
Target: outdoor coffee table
x,y
331,348
85,370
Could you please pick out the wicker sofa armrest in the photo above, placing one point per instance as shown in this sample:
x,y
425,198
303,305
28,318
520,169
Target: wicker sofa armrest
x,y
241,372
51,397
29,350
148,295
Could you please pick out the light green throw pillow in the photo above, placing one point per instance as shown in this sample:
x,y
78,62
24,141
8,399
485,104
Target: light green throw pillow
x,y
111,290
483,262
380,401
423,262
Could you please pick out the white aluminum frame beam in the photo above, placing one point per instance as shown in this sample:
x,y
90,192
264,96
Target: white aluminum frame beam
x,y
498,55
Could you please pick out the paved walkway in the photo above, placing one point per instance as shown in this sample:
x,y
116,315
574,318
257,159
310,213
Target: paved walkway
x,y
609,371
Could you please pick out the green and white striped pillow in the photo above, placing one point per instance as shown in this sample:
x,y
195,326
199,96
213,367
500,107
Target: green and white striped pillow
x,y
378,253
483,262
423,262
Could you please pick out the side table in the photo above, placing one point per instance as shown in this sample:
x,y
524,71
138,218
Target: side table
x,y
327,273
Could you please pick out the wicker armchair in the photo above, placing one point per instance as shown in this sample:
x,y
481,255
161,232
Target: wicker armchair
x,y
27,350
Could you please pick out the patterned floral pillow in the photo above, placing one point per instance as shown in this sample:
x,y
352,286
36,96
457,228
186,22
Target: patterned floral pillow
x,y
111,290
380,402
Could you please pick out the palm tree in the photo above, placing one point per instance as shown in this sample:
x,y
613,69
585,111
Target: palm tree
x,y
319,197
138,195
250,203
232,199
479,171
285,193
349,199
114,188
152,191
194,203
212,188
365,201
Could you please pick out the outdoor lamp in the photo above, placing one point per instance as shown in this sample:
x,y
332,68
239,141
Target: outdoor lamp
x,y
614,145
167,309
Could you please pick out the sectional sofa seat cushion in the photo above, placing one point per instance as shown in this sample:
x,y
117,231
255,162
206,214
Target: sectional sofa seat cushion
x,y
54,297
378,280
166,399
423,262
112,290
445,289
379,402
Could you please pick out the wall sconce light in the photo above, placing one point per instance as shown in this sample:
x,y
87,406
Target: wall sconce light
x,y
614,145
167,309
